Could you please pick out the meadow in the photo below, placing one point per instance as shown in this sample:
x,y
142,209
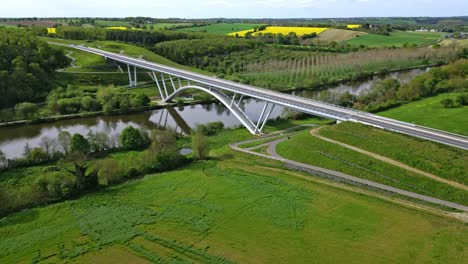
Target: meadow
x,y
222,28
429,112
300,31
444,161
397,39
233,208
306,148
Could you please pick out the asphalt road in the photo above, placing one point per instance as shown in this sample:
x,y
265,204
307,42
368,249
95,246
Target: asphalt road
x,y
293,102
339,176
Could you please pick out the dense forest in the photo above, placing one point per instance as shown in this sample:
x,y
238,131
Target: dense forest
x,y
25,67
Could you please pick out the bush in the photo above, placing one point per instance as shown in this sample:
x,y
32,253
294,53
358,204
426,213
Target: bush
x,y
447,103
200,146
110,171
37,155
132,138
26,110
210,129
79,144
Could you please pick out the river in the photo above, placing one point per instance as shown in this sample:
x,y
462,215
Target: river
x,y
14,139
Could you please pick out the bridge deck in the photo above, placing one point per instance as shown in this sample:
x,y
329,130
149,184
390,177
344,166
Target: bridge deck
x,y
293,102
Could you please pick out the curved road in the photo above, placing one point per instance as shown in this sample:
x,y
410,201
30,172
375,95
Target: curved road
x,y
336,175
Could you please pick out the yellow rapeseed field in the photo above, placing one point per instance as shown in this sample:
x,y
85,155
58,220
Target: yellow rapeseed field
x,y
353,26
117,28
283,30
123,28
51,30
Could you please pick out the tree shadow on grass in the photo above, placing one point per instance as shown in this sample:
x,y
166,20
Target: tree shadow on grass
x,y
22,217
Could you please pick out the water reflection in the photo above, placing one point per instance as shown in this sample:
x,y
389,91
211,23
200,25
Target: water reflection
x,y
13,139
182,119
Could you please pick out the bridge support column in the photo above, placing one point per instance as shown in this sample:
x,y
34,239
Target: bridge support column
x,y
129,76
159,86
261,117
233,99
266,118
240,100
135,75
164,84
172,82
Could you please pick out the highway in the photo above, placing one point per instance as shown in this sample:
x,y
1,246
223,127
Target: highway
x,y
290,101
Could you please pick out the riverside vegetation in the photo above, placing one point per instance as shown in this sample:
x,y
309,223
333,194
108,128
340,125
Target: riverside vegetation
x,y
205,209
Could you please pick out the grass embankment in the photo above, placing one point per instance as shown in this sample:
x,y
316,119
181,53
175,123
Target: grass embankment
x,y
446,162
222,28
397,39
305,148
235,207
430,112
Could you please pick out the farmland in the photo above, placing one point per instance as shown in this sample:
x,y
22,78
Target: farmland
x,y
429,112
300,31
397,39
230,209
306,148
221,28
449,163
338,35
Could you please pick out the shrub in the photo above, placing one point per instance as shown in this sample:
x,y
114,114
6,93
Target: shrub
x,y
26,110
210,129
447,103
132,138
79,144
200,146
37,155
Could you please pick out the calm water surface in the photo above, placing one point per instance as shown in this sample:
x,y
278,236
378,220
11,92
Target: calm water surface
x,y
14,139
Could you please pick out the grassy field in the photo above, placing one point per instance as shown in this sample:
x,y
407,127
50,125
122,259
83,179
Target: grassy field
x,y
338,35
222,28
306,148
429,112
106,23
234,208
159,26
447,162
397,38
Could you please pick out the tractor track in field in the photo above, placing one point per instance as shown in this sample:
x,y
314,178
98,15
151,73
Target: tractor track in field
x,y
352,180
316,133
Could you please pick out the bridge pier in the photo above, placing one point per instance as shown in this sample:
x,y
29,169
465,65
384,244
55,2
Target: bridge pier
x,y
132,83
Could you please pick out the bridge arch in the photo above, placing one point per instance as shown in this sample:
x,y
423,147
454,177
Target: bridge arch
x,y
225,100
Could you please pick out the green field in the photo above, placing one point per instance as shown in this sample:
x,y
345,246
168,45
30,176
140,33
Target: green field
x,y
446,162
306,148
221,29
106,23
234,208
159,26
88,59
429,112
7,26
397,38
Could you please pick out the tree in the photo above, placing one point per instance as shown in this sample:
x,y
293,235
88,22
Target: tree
x,y
26,110
200,146
79,144
3,160
447,103
462,99
163,141
84,180
110,171
132,138
37,155
48,144
64,139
